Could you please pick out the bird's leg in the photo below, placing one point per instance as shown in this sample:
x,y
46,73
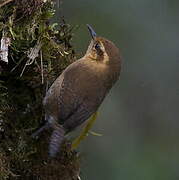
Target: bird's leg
x,y
85,131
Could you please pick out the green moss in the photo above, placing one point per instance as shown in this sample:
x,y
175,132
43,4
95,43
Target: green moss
x,y
23,86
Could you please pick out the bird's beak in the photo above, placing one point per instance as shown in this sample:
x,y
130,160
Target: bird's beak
x,y
92,32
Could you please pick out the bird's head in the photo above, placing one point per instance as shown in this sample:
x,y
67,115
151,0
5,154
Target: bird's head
x,y
102,50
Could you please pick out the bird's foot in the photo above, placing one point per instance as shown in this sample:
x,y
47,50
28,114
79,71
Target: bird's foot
x,y
36,133
85,131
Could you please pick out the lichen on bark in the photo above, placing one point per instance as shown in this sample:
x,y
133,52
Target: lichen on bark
x,y
37,54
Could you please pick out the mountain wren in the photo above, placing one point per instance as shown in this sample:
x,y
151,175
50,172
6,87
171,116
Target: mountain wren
x,y
78,92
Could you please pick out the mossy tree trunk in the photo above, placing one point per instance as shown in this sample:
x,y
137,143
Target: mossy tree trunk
x,y
37,52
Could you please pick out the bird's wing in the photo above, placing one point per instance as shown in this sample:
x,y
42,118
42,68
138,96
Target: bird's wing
x,y
72,107
77,117
72,98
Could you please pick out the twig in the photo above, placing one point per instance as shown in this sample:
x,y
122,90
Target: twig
x,y
32,54
41,64
23,70
5,2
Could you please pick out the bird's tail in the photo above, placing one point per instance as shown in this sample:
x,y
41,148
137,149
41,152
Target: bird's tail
x,y
57,138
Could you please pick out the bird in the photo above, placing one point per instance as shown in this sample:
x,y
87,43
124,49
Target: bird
x,y
80,89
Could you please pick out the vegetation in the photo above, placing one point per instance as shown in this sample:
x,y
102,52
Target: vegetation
x,y
38,52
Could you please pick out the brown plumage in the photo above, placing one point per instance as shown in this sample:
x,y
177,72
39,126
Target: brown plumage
x,y
78,92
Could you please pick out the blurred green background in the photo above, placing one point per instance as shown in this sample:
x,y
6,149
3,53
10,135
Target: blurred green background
x,y
139,118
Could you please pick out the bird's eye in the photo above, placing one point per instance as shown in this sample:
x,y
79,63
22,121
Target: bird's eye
x,y
97,46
